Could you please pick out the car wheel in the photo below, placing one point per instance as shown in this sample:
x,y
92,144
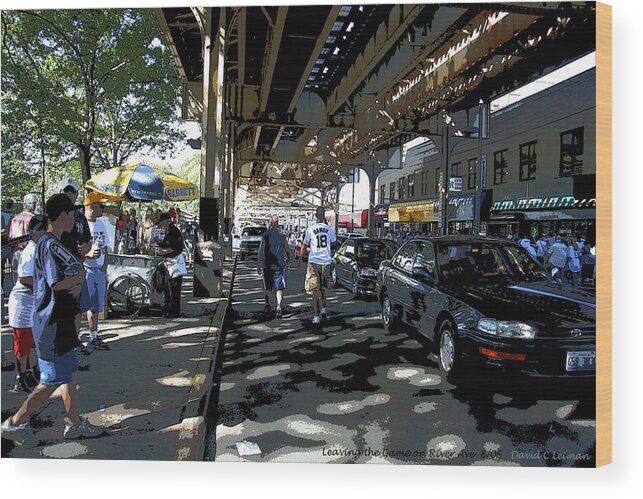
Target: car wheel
x,y
449,357
354,288
389,317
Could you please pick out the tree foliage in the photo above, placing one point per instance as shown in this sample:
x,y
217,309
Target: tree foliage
x,y
95,84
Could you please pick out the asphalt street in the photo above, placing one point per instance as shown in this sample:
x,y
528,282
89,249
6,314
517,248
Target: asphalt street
x,y
348,392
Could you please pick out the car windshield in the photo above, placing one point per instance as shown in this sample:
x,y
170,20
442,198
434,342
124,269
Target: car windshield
x,y
493,261
253,231
372,253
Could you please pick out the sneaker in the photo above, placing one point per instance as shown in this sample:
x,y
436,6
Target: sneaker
x,y
84,429
279,312
20,385
324,314
97,344
317,319
21,434
82,349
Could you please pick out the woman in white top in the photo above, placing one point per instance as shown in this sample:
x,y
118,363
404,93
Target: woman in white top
x,y
21,310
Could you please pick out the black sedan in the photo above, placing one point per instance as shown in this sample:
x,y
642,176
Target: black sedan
x,y
487,302
356,262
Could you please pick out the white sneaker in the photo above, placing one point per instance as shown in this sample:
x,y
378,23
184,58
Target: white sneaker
x,y
324,314
21,434
316,320
84,429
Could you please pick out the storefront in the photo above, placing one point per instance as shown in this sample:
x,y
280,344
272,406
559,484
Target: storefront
x,y
417,216
461,213
533,216
348,221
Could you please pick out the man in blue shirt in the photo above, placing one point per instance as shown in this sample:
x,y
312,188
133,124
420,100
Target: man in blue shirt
x,y
272,262
58,276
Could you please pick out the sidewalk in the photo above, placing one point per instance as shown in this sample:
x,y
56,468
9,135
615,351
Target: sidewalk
x,y
149,389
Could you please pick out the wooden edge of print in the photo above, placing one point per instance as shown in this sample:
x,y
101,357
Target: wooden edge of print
x,y
604,233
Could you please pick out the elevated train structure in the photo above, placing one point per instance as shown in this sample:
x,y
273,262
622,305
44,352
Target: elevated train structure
x,y
291,98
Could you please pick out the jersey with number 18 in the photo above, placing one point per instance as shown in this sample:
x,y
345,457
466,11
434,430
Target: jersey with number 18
x,y
319,237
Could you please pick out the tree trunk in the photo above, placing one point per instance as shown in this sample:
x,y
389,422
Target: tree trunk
x,y
84,163
44,166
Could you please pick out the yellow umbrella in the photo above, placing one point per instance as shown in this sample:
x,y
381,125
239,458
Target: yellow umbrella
x,y
142,182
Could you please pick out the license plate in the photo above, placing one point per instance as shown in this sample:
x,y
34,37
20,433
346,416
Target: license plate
x,y
581,361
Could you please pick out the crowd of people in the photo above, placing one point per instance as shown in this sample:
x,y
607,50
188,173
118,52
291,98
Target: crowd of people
x,y
571,260
59,275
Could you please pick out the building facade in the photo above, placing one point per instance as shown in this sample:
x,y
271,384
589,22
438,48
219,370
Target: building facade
x,y
538,170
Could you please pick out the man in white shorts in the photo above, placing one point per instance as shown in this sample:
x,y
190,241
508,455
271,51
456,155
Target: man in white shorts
x,y
318,239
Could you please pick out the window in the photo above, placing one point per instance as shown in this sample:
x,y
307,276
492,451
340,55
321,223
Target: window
x,y
404,258
528,161
382,193
391,197
500,167
401,184
349,249
455,169
425,259
571,152
411,185
438,180
472,174
424,185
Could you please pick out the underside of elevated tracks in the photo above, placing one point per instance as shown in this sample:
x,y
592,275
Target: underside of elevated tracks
x,y
292,98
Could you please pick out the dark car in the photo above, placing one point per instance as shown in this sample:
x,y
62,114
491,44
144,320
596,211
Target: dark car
x,y
356,263
487,302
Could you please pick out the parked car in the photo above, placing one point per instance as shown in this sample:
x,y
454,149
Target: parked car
x,y
486,302
250,240
339,240
356,263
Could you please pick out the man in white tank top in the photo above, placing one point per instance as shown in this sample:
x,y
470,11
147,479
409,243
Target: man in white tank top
x,y
318,239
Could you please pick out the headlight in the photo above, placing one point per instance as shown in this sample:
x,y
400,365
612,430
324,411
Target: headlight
x,y
506,329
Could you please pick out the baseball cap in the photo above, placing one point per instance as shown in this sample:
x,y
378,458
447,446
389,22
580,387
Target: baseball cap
x,y
68,182
94,197
163,217
320,212
57,204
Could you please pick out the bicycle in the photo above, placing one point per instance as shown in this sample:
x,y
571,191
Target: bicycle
x,y
128,292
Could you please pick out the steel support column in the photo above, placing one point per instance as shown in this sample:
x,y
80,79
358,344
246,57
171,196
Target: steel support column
x,y
444,192
213,132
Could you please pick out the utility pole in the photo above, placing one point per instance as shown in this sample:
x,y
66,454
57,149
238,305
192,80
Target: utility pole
x,y
481,131
353,205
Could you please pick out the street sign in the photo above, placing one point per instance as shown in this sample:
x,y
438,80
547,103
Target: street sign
x,y
455,184
483,171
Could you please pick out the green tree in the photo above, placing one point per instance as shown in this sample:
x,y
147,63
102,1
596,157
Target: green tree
x,y
102,78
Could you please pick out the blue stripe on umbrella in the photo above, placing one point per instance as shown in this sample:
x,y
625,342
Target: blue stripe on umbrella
x,y
145,184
